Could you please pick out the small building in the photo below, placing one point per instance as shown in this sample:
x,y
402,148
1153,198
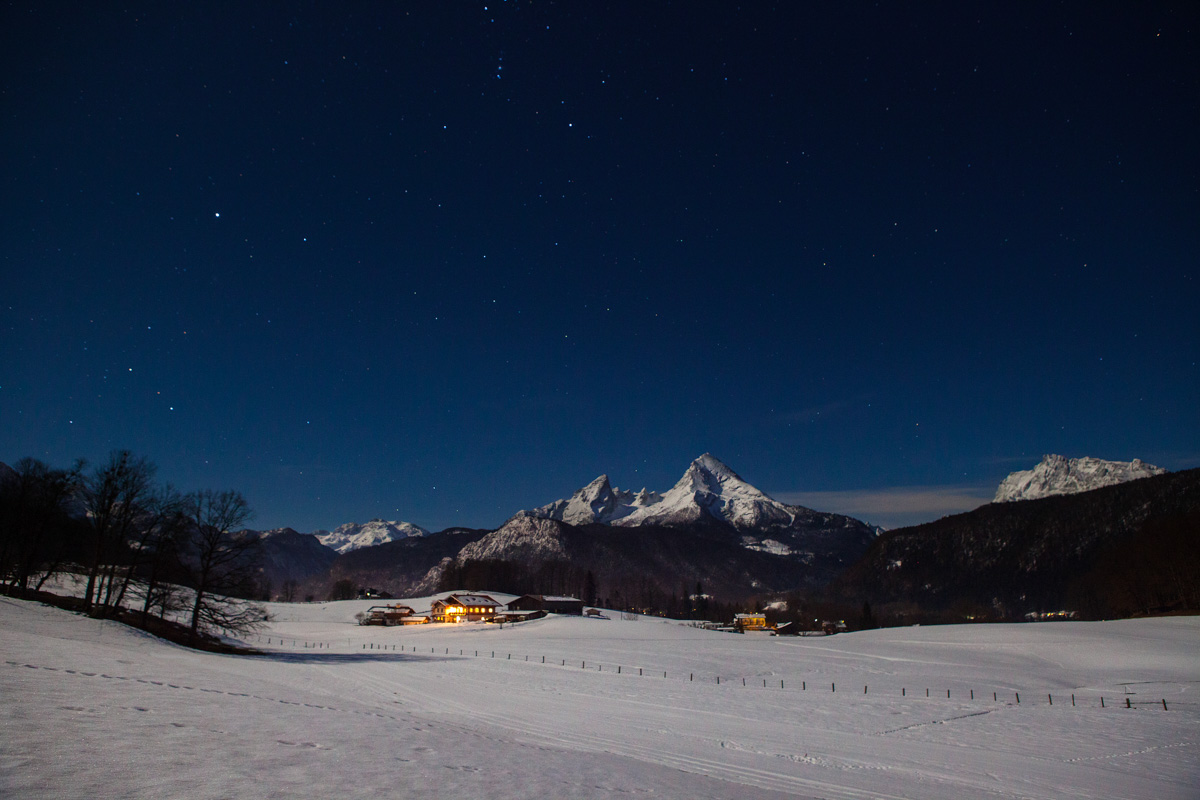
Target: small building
x,y
548,603
750,622
464,608
386,615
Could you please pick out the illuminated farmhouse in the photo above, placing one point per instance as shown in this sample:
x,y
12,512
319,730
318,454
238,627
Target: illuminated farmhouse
x,y
464,608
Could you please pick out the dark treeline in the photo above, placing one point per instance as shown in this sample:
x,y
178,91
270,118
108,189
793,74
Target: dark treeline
x,y
143,548
1118,551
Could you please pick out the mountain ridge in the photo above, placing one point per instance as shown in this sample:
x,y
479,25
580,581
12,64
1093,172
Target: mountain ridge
x,y
1059,475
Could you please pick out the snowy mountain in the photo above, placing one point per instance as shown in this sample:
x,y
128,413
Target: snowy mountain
x,y
1056,475
353,535
597,502
712,497
708,491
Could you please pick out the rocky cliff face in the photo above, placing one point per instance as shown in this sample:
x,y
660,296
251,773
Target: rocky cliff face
x,y
1056,475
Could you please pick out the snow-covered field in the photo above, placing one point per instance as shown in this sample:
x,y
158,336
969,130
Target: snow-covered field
x,y
570,707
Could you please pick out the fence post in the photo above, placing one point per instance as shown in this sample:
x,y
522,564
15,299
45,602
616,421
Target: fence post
x,y
1050,697
1018,694
833,687
864,690
972,694
903,692
1127,703
1164,704
1102,701
1072,700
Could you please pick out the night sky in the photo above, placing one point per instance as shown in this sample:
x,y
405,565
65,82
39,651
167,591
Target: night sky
x,y
443,261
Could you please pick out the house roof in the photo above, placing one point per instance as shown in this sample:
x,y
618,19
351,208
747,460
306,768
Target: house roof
x,y
471,600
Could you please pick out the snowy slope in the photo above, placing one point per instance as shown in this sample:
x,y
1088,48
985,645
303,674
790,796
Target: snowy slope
x,y
1056,475
354,535
540,710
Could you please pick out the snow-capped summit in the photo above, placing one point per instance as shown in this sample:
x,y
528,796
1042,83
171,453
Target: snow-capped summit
x,y
708,490
599,501
353,535
1056,475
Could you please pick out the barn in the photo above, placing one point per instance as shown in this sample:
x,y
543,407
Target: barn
x,y
549,603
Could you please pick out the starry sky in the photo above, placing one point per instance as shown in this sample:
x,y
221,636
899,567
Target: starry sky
x,y
441,261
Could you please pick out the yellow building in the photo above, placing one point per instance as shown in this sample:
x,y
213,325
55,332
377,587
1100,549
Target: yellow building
x,y
750,622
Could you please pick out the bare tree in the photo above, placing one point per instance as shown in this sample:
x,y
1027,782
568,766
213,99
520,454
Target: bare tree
x,y
223,562
290,588
153,544
36,531
114,496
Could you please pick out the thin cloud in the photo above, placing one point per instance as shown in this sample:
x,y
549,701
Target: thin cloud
x,y
895,507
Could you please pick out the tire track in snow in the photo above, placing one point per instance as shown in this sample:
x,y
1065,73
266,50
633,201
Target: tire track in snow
x,y
934,722
1129,753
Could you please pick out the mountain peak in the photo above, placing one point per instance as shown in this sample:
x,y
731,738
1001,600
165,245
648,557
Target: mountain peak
x,y
1057,475
711,463
709,489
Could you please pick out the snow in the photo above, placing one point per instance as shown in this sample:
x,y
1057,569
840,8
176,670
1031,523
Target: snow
x,y
1055,475
94,709
767,546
